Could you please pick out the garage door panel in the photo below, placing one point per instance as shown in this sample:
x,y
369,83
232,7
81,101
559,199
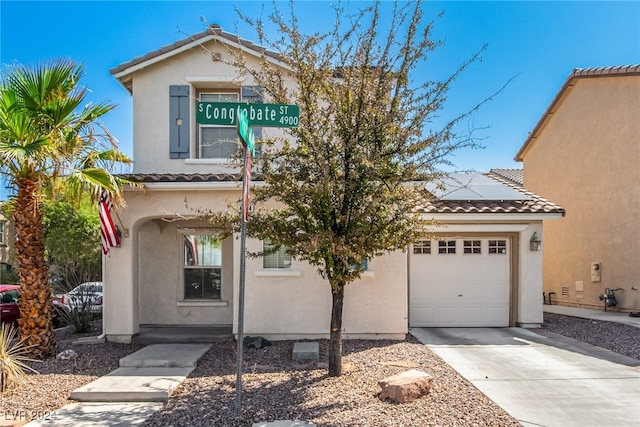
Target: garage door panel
x,y
421,315
495,293
460,290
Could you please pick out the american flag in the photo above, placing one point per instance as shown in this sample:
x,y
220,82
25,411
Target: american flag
x,y
108,230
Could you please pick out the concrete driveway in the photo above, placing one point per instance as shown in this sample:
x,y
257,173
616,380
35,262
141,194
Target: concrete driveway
x,y
540,378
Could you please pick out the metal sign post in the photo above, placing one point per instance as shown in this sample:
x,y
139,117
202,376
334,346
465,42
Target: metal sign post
x,y
246,135
241,115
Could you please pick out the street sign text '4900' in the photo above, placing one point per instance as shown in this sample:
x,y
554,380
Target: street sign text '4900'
x,y
267,115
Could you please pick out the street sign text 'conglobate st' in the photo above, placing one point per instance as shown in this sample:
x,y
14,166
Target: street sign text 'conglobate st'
x,y
267,115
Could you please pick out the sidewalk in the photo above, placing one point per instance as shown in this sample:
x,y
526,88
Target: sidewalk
x,y
587,313
131,393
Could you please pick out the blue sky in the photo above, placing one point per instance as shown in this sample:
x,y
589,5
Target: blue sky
x,y
536,43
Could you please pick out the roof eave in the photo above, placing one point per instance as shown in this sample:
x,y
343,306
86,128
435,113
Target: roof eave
x,y
479,218
125,70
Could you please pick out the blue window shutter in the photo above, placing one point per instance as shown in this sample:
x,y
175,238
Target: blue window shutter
x,y
179,122
253,94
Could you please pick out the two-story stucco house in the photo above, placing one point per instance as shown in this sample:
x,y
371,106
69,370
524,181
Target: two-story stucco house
x,y
584,153
170,269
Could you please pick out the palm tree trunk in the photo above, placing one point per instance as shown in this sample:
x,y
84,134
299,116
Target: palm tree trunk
x,y
335,336
35,323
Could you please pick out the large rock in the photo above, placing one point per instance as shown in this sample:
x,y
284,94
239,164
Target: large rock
x,y
405,386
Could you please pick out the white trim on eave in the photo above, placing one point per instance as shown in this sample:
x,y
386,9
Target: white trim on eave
x,y
487,217
197,186
191,45
162,57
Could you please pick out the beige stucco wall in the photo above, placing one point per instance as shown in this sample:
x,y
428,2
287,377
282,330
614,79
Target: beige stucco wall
x,y
143,280
586,159
195,68
283,307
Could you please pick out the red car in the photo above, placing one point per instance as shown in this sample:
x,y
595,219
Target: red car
x,y
9,312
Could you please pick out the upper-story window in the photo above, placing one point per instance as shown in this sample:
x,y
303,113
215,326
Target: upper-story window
x,y
1,232
217,142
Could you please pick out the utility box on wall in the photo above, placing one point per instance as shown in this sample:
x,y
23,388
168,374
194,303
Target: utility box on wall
x,y
596,271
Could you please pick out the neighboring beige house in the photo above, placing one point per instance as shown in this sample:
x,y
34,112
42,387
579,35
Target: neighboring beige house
x,y
171,271
584,154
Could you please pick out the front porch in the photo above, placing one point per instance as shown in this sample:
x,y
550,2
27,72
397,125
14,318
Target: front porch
x,y
153,334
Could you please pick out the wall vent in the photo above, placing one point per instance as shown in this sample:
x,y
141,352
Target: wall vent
x,y
215,57
565,291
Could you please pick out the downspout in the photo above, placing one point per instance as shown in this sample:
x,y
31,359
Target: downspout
x,y
103,335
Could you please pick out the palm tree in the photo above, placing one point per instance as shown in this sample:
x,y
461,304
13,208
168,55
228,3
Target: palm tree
x,y
50,144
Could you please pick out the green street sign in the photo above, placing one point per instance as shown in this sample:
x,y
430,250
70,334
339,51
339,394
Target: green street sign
x,y
265,115
245,132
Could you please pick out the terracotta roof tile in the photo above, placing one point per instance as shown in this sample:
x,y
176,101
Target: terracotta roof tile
x,y
147,178
606,71
531,203
514,175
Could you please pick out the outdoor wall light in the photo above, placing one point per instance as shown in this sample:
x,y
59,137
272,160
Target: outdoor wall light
x,y
535,244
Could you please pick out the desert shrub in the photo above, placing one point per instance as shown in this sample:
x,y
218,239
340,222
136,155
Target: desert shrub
x,y
13,358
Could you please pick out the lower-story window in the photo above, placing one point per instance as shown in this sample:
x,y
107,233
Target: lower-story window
x,y
280,259
202,267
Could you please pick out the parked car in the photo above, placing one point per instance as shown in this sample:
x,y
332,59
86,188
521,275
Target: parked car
x,y
86,298
9,311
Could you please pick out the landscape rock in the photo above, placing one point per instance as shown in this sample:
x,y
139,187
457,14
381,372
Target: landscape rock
x,y
255,342
67,355
405,386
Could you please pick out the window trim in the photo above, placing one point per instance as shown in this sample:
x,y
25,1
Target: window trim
x,y
183,301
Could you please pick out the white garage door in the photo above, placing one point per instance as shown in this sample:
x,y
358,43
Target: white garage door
x,y
459,283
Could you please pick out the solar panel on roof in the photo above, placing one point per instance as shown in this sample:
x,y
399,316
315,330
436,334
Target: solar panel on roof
x,y
473,186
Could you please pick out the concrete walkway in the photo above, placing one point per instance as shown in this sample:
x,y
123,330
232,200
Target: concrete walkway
x,y
543,379
131,393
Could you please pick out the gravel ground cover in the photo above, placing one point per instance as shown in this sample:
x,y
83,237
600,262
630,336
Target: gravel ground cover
x,y
620,338
275,387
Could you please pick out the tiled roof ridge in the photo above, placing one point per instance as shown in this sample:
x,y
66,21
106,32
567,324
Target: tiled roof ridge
x,y
514,175
606,71
535,203
213,29
534,197
183,177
